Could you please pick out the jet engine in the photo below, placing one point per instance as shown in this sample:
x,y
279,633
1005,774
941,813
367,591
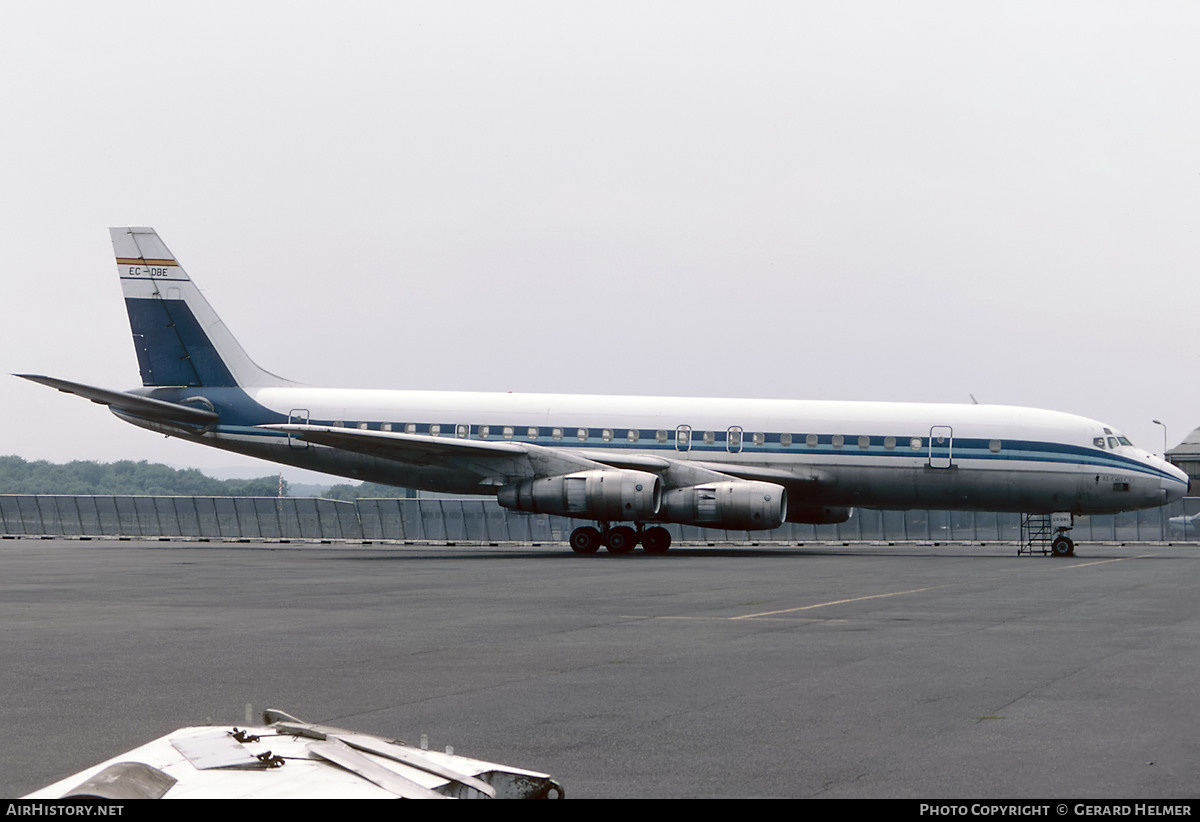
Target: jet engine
x,y
735,505
608,494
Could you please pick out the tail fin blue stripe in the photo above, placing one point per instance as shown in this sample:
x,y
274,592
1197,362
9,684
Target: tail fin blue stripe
x,y
172,348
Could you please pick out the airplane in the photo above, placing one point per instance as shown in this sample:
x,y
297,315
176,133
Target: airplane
x,y
1185,525
288,758
626,463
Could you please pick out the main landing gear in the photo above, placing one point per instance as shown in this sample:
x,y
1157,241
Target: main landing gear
x,y
620,539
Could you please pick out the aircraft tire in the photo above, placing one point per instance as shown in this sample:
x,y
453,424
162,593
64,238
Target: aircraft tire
x,y
621,540
1062,547
585,540
656,540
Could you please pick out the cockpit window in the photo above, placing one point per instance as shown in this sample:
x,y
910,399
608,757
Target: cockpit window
x,y
1112,442
1098,442
1124,441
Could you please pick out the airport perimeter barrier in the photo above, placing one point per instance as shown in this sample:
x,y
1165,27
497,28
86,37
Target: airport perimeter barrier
x,y
483,520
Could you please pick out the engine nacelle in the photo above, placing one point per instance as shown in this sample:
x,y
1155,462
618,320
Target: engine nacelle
x,y
734,505
609,494
819,514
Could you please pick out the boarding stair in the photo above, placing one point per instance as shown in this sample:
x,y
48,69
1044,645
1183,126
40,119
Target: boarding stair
x,y
1047,534
1036,534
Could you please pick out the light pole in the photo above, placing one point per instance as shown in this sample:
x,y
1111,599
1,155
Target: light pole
x,y
1164,428
1162,512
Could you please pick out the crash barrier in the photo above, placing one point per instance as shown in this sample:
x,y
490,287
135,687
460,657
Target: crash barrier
x,y
483,520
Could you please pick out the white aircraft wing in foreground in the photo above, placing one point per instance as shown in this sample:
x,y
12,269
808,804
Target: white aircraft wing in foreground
x,y
286,758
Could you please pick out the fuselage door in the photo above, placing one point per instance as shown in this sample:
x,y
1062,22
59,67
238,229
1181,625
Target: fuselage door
x,y
941,445
297,416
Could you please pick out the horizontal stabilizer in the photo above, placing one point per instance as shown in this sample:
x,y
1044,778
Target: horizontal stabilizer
x,y
130,403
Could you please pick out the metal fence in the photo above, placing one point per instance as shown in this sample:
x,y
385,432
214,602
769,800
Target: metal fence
x,y
199,517
483,520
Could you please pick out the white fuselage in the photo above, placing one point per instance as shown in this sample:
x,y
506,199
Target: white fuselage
x,y
867,454
588,455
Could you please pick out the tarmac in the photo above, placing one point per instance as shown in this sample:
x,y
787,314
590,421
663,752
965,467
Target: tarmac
x,y
948,671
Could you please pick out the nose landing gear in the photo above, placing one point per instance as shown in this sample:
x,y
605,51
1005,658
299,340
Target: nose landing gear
x,y
1062,546
1047,534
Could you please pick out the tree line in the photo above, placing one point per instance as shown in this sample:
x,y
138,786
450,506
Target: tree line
x,y
20,476
366,490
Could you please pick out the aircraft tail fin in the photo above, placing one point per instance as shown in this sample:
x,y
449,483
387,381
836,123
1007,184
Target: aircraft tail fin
x,y
179,339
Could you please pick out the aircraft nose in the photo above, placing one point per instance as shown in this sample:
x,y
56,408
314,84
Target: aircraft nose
x,y
1176,487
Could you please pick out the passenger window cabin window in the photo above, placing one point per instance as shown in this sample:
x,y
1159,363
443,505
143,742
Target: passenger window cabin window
x,y
508,432
362,426
758,438
435,430
915,443
485,431
994,446
811,440
532,433
557,433
889,443
462,431
838,440
660,436
864,442
631,435
581,434
709,437
785,440
410,428
606,435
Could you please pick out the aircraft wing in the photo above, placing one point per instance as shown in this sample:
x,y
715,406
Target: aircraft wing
x,y
134,404
801,477
419,449
708,471
498,462
506,461
287,758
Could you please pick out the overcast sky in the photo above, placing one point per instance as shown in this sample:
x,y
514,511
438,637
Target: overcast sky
x,y
891,201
